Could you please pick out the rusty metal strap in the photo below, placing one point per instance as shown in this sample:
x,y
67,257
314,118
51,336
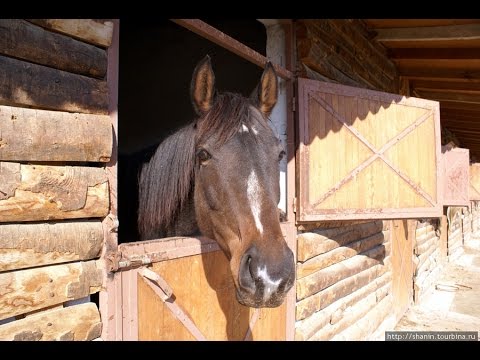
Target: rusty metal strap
x,y
165,292
216,36
376,153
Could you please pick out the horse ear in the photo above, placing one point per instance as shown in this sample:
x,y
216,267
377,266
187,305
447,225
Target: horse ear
x,y
202,87
266,94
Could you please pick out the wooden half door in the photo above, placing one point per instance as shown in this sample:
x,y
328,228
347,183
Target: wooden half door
x,y
187,293
402,232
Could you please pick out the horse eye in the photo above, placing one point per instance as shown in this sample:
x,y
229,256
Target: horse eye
x,y
281,155
203,155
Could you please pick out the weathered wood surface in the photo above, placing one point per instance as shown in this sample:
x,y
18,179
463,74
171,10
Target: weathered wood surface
x,y
92,31
31,85
344,318
42,135
366,325
322,299
37,244
305,328
41,192
23,40
338,254
23,291
424,246
340,51
428,264
80,322
320,241
321,279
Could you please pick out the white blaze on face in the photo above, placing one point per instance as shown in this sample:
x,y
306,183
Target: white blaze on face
x,y
253,192
243,129
255,131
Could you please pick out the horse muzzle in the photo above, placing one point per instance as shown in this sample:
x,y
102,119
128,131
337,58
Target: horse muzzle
x,y
264,281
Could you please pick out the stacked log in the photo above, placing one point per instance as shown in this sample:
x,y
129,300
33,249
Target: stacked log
x,y
339,50
467,225
56,138
476,219
455,232
427,257
343,274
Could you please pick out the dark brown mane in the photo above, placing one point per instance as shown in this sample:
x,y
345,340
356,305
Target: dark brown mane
x,y
166,181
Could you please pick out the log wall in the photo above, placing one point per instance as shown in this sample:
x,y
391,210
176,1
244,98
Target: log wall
x,y
343,274
476,218
55,139
455,232
339,51
427,257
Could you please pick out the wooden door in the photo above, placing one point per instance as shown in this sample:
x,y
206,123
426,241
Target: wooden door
x,y
456,163
186,292
402,265
366,154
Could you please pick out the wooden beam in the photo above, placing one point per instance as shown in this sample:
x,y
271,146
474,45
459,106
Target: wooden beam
x,y
445,104
434,72
24,291
399,23
80,323
97,32
216,36
31,85
442,79
430,33
455,95
28,245
41,135
41,192
434,53
23,40
448,85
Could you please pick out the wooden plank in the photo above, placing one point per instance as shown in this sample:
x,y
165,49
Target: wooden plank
x,y
110,298
474,190
22,40
321,279
29,245
42,135
216,36
321,241
96,32
338,254
434,53
453,95
307,327
24,291
79,323
425,71
31,85
42,192
431,34
203,287
324,298
398,23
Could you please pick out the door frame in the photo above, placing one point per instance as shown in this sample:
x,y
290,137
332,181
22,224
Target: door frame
x,y
117,305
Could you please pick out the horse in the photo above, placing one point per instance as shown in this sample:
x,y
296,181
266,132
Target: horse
x,y
218,176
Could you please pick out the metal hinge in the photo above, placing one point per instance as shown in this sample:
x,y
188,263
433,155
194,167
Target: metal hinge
x,y
295,204
134,262
294,102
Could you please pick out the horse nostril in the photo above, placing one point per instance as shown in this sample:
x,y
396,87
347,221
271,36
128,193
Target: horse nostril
x,y
247,273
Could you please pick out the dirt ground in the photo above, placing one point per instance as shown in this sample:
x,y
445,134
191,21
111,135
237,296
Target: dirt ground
x,y
453,304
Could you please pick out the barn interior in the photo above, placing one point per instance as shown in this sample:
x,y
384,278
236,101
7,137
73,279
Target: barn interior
x,y
438,59
157,58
